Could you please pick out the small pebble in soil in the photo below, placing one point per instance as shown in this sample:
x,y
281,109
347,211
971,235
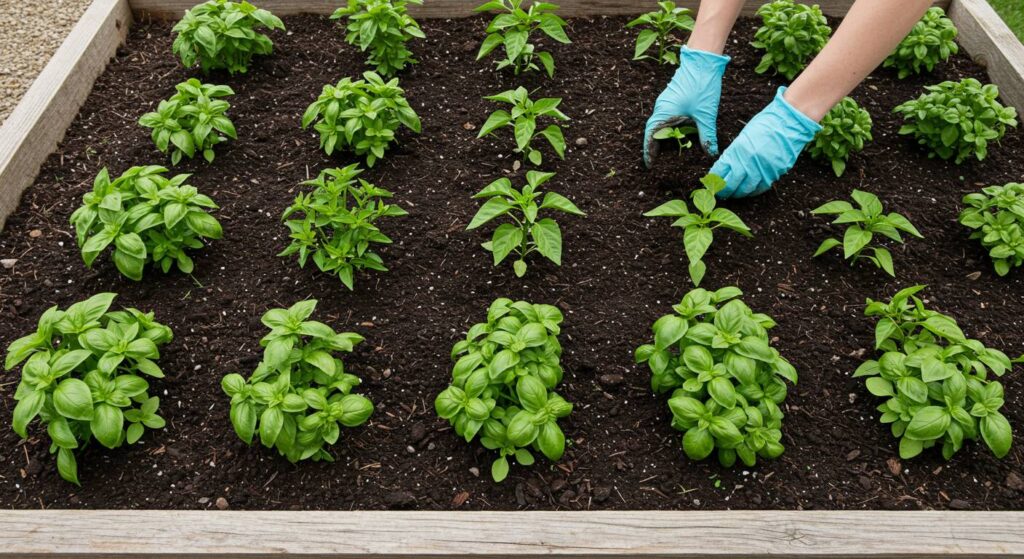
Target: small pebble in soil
x,y
8,263
222,503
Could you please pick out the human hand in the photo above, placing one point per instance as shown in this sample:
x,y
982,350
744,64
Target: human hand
x,y
691,96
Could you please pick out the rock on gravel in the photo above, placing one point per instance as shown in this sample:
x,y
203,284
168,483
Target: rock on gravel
x,y
32,31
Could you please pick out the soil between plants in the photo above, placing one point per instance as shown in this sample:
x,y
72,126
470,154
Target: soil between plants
x,y
621,272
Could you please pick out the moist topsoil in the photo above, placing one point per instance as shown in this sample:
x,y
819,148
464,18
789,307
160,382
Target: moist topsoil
x,y
621,272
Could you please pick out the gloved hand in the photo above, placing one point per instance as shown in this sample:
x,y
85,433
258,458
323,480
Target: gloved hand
x,y
691,96
767,147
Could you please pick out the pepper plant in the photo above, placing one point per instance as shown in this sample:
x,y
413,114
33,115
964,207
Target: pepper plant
x,y
864,223
727,382
956,120
699,226
382,27
659,27
191,121
503,383
147,218
361,116
934,379
523,120
791,34
996,217
221,34
84,377
337,223
299,396
528,232
677,133
844,130
932,40
511,29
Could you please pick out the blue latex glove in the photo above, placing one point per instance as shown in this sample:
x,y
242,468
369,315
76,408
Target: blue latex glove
x,y
691,97
767,147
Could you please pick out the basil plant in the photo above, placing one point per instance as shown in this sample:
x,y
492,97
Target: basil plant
x,y
300,395
727,382
503,384
935,381
84,377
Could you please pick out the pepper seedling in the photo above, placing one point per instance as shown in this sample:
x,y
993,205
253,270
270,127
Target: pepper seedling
x,y
512,28
528,232
679,134
699,226
866,221
523,121
659,27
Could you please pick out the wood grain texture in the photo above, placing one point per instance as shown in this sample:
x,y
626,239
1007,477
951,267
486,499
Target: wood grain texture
x,y
173,9
991,43
520,535
38,123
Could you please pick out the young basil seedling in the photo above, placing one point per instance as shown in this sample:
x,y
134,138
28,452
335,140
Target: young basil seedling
x,y
935,379
659,28
523,121
191,121
221,34
147,217
382,27
791,35
678,134
529,232
299,396
698,227
956,120
361,116
84,377
844,130
338,223
996,216
512,28
503,384
866,222
727,381
932,40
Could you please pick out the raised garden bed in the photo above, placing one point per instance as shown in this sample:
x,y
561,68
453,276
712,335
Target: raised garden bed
x,y
621,271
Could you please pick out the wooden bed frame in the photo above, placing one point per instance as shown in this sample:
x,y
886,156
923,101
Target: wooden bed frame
x,y
37,125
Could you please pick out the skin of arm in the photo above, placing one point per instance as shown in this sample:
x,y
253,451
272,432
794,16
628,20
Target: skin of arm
x,y
715,19
868,34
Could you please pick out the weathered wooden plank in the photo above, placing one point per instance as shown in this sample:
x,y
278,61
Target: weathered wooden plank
x,y
31,133
991,43
173,9
520,535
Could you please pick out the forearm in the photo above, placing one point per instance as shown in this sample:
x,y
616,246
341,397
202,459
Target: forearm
x,y
868,34
715,19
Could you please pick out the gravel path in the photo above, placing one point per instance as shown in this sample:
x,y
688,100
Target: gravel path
x,y
30,32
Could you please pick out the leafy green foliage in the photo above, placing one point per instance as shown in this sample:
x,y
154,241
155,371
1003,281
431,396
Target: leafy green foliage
x,y
528,232
678,134
382,27
791,35
934,379
84,377
512,28
147,218
659,27
361,116
191,121
503,384
865,222
932,40
523,121
338,223
221,34
726,380
299,396
996,216
699,226
955,120
844,130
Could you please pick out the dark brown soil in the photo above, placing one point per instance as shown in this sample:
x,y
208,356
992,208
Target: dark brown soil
x,y
621,271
